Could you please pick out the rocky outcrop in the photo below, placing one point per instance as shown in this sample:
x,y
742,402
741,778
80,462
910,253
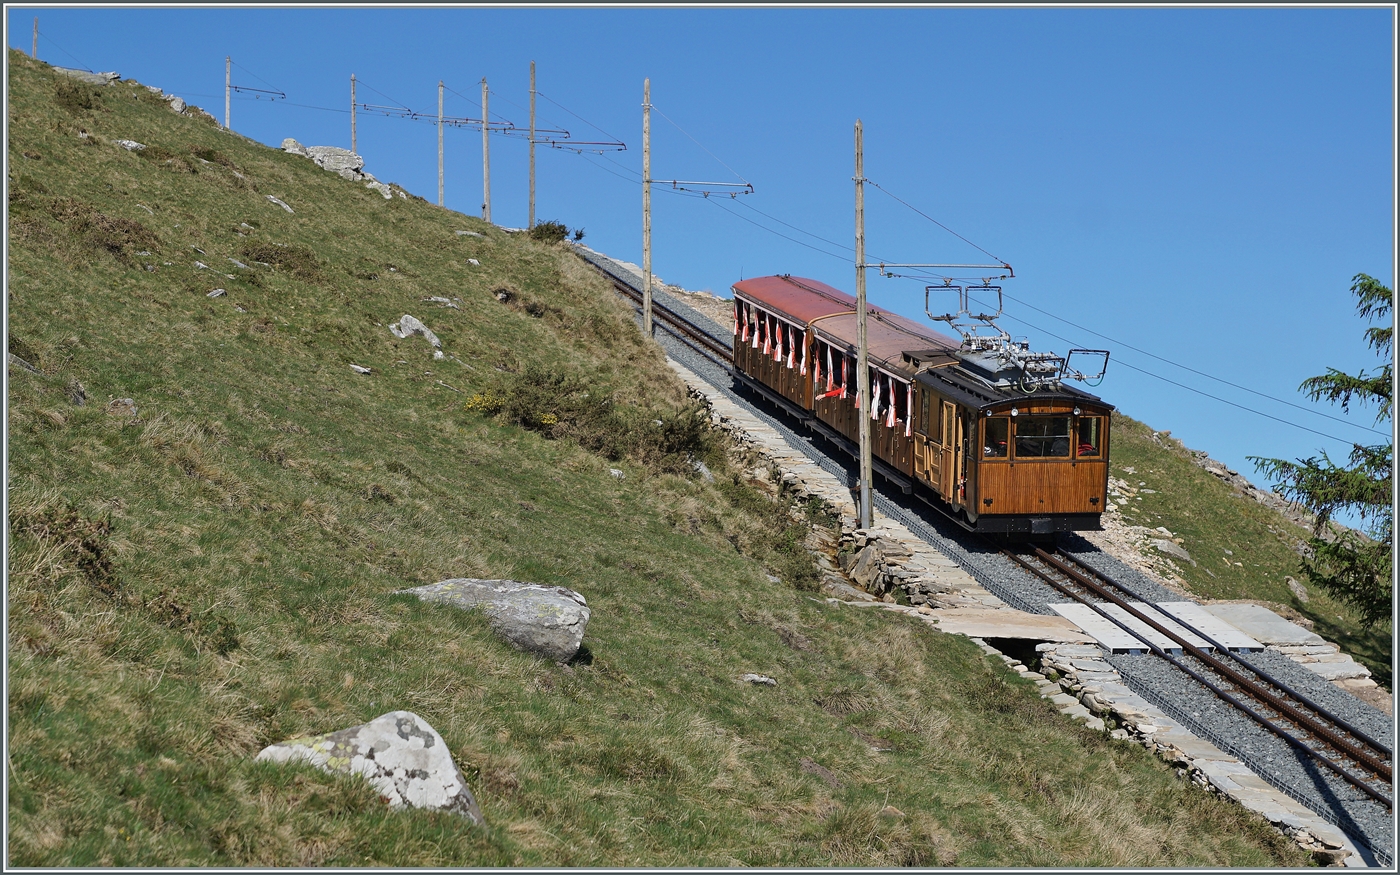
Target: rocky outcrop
x,y
342,162
398,753
548,621
89,78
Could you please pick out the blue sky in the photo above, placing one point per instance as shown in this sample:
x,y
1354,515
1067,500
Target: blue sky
x,y
1199,183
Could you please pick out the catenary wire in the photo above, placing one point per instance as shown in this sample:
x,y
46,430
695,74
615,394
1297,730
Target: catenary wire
x,y
698,143
1193,370
46,39
935,221
1197,391
575,115
256,76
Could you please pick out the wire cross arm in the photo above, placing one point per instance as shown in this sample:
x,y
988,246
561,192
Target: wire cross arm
x,y
400,111
884,264
704,187
258,92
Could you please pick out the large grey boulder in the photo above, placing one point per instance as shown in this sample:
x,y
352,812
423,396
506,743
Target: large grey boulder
x,y
336,160
292,146
545,620
398,753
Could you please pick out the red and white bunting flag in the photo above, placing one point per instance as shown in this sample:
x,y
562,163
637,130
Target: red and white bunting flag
x,y
736,318
909,410
754,319
745,315
792,348
875,398
767,335
890,419
830,372
844,382
777,340
804,354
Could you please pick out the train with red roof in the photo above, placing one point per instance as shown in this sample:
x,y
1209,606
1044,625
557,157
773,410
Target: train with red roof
x,y
985,429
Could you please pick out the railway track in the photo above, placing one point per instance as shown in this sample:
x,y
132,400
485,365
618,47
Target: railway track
x,y
1355,756
1331,741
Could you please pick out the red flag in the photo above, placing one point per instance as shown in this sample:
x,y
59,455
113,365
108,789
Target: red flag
x,y
830,372
736,318
843,376
804,354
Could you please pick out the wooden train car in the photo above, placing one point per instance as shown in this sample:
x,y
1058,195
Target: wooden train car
x,y
1000,459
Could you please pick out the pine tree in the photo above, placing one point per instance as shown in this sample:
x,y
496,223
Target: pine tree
x,y
1354,567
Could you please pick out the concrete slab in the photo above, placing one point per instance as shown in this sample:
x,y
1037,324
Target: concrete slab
x,y
1263,625
1203,621
1008,623
1147,633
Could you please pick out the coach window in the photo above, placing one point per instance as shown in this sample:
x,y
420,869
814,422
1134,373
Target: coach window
x,y
1089,435
1038,436
994,437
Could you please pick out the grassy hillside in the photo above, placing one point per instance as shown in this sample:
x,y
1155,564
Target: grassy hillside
x,y
217,571
1242,550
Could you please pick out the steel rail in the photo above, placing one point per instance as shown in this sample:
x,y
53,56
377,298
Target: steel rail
x,y
1375,744
1368,762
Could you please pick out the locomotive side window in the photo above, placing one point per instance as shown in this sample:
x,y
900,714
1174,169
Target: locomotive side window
x,y
1089,435
1038,436
995,437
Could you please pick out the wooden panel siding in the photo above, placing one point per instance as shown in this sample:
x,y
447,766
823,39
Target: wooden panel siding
x,y
1049,486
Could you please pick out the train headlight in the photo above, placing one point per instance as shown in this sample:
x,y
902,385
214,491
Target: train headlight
x,y
1076,411
1013,411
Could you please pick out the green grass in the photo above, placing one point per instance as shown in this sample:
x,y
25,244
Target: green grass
x,y
1212,518
218,575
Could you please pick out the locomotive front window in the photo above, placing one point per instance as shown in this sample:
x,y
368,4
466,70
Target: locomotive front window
x,y
1038,436
994,437
1089,435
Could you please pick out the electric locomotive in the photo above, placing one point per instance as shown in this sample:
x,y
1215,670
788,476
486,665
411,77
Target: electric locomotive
x,y
984,427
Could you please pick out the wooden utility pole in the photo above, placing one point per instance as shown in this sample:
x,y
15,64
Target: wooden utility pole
x,y
228,87
485,154
34,51
862,357
439,142
352,115
532,145
646,207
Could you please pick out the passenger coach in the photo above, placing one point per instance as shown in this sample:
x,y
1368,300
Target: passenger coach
x,y
947,416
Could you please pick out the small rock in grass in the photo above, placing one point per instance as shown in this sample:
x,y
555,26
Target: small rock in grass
x,y
1298,590
762,680
617,474
131,145
238,264
891,812
281,204
473,261
469,234
402,756
122,407
217,293
359,370
408,326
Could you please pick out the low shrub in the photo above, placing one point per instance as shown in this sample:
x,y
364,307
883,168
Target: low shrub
x,y
553,232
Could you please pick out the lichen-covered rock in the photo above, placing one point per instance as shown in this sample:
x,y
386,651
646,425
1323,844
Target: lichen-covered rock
x,y
545,620
398,753
292,146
